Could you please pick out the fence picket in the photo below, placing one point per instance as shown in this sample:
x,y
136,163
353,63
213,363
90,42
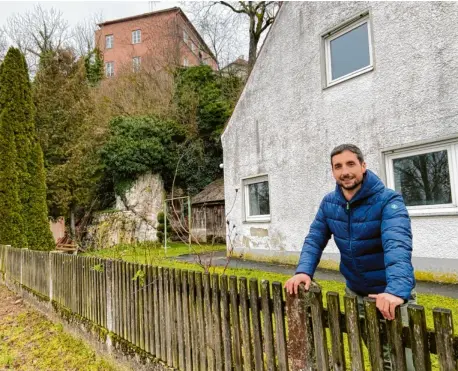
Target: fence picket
x,y
353,332
419,338
443,325
268,327
235,318
335,328
373,334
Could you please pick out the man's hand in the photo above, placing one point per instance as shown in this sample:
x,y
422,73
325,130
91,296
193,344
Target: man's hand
x,y
386,304
293,283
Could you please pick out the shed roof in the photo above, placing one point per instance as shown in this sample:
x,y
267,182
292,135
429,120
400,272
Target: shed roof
x,y
211,193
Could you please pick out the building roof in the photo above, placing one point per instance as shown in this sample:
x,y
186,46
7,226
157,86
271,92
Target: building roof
x,y
157,12
212,193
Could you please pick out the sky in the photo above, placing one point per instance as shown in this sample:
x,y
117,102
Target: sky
x,y
75,11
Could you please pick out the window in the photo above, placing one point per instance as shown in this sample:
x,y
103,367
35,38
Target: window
x,y
136,37
109,69
256,199
136,62
193,47
108,41
348,51
427,177
185,62
185,37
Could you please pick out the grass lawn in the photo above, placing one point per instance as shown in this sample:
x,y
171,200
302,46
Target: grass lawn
x,y
144,254
28,341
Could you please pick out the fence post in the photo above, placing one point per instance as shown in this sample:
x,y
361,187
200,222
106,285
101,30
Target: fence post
x,y
109,291
300,337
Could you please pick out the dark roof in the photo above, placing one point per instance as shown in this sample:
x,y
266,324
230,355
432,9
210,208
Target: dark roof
x,y
174,9
211,193
238,62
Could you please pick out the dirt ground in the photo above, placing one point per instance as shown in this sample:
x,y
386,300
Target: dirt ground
x,y
29,341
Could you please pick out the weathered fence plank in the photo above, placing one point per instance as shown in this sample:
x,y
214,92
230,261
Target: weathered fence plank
x,y
353,332
186,321
179,318
235,318
373,334
443,325
248,361
226,324
268,327
256,321
319,329
216,310
335,328
201,321
280,328
209,322
395,342
419,338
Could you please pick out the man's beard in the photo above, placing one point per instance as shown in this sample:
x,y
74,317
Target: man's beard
x,y
351,186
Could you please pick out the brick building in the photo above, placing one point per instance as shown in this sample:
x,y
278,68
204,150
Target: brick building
x,y
152,40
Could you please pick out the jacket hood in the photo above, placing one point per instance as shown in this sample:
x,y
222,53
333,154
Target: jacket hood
x,y
372,184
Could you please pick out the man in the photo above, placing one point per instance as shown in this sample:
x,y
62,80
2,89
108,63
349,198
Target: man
x,y
371,228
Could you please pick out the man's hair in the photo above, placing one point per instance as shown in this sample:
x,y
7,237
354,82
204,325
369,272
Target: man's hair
x,y
348,147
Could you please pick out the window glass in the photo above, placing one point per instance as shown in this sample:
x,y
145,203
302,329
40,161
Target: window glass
x,y
108,41
423,179
350,52
258,194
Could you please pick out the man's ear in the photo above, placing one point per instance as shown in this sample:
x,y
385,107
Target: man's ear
x,y
364,167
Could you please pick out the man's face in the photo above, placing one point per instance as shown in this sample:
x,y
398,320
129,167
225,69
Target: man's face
x,y
347,170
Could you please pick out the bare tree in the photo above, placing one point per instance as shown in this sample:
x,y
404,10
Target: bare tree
x,y
38,32
83,34
3,44
217,24
221,28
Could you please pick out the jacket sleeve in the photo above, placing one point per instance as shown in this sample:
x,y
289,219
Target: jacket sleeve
x,y
314,244
397,247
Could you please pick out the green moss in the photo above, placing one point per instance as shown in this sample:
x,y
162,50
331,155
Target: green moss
x,y
31,342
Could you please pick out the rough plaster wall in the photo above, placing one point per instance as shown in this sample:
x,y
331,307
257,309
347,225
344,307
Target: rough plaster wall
x,y
285,124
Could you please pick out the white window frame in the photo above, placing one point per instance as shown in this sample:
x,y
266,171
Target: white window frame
x,y
328,37
193,47
111,69
111,38
136,36
185,62
136,63
185,37
452,151
246,198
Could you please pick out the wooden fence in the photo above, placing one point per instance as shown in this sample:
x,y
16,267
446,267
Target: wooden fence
x,y
197,321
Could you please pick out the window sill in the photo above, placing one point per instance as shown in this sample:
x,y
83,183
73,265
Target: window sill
x,y
452,211
256,221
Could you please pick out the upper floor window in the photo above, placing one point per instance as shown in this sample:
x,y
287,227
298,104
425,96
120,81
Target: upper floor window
x,y
109,69
136,62
348,51
256,199
426,176
185,62
185,37
193,47
136,37
108,41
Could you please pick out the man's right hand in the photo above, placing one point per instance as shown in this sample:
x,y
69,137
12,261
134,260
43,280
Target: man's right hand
x,y
292,285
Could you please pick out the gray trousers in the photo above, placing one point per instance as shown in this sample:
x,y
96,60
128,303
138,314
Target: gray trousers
x,y
386,347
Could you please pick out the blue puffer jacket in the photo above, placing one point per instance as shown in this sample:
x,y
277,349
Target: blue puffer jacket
x,y
373,234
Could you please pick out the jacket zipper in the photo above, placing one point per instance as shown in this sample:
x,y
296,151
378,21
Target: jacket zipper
x,y
351,238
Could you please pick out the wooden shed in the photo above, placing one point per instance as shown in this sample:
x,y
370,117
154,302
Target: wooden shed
x,y
208,216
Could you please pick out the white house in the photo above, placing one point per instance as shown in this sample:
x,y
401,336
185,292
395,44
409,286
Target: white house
x,y
381,75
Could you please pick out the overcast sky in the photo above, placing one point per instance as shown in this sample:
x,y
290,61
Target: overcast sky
x,y
75,11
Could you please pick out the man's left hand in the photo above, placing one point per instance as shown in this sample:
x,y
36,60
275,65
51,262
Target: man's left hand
x,y
386,304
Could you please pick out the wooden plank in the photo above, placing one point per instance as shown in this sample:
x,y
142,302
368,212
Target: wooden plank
x,y
179,318
374,344
248,360
132,297
280,328
395,341
256,321
162,323
419,337
235,319
193,321
209,322
173,320
301,352
150,328
226,324
142,308
354,333
268,326
201,321
186,321
216,310
335,328
319,330
157,311
443,325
